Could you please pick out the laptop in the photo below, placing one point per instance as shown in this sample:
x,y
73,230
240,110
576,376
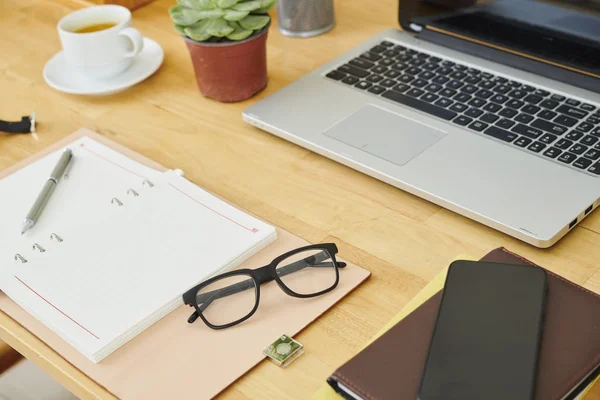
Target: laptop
x,y
487,108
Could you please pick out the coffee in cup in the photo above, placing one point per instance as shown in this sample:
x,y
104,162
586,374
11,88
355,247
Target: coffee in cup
x,y
99,41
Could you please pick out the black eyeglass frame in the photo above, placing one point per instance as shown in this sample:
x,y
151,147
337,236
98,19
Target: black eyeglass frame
x,y
261,276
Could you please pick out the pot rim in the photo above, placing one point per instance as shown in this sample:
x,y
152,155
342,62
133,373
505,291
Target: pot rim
x,y
232,42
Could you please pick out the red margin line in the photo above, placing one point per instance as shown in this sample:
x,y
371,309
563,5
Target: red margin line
x,y
216,212
110,161
56,308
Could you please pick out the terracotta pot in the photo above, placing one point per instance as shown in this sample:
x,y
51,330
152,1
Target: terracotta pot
x,y
231,71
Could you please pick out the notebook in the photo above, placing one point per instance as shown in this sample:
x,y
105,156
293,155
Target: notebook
x,y
116,246
569,356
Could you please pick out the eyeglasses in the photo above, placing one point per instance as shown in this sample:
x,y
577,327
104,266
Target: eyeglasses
x,y
231,298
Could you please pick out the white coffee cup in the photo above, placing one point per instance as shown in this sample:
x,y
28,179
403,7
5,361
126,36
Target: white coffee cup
x,y
102,54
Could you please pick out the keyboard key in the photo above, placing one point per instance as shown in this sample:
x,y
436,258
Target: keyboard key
x,y
593,119
547,114
361,63
527,131
589,140
414,92
444,71
379,69
566,121
406,78
350,80
541,92
419,83
473,112
563,144
478,126
584,127
386,62
352,70
460,67
536,147
472,80
595,169
499,98
455,84
440,80
411,51
487,84
417,62
549,104
484,94
336,75
574,135
596,131
458,107
573,102
524,118
388,83
377,89
582,163
392,74
444,102
578,149
430,97
492,107
548,138
462,120
557,97
448,92
528,88
508,112
533,99
588,107
505,123
567,158
362,85
426,75
502,89
419,105
386,44
500,134
374,78
462,97
477,102
401,87
391,53
523,141
399,67
378,49
431,66
413,71
423,56
487,75
530,109
473,71
489,118
517,94
470,89
516,104
433,87
371,56
435,59
514,84
572,112
592,154
399,48
500,79
552,152
548,126
448,64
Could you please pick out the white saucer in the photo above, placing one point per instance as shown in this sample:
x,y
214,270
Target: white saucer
x,y
61,75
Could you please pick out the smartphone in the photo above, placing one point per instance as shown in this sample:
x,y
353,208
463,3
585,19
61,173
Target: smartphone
x,y
487,335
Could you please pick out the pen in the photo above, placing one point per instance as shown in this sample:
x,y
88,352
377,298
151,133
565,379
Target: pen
x,y
37,207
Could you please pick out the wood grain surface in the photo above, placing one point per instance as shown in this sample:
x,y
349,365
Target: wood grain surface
x,y
403,240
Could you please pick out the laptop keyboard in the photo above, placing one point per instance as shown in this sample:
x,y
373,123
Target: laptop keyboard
x,y
549,124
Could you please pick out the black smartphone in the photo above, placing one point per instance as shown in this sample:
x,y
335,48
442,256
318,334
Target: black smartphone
x,y
486,339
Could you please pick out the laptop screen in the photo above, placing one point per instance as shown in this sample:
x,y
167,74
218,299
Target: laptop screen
x,y
562,32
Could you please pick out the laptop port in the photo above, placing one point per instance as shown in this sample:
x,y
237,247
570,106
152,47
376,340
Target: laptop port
x,y
573,223
589,209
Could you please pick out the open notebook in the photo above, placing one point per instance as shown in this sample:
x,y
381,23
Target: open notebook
x,y
118,244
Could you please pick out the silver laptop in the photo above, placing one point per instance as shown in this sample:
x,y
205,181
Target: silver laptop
x,y
489,110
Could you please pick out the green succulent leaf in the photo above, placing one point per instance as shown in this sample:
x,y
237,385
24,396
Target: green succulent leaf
x,y
180,29
201,5
233,15
255,22
198,31
238,33
227,3
219,27
248,5
184,16
265,6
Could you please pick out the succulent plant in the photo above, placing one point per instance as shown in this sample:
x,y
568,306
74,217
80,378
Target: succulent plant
x,y
220,20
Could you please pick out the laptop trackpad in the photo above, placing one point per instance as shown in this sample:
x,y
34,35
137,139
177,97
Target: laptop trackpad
x,y
385,134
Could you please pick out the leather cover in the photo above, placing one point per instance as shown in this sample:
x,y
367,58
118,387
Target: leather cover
x,y
391,367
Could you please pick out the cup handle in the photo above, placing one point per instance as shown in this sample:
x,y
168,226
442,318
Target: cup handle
x,y
137,40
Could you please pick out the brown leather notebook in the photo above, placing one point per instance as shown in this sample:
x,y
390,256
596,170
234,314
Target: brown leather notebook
x,y
391,367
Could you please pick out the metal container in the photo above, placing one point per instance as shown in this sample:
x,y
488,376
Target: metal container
x,y
305,18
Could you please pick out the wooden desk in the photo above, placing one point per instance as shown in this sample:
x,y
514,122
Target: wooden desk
x,y
402,239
